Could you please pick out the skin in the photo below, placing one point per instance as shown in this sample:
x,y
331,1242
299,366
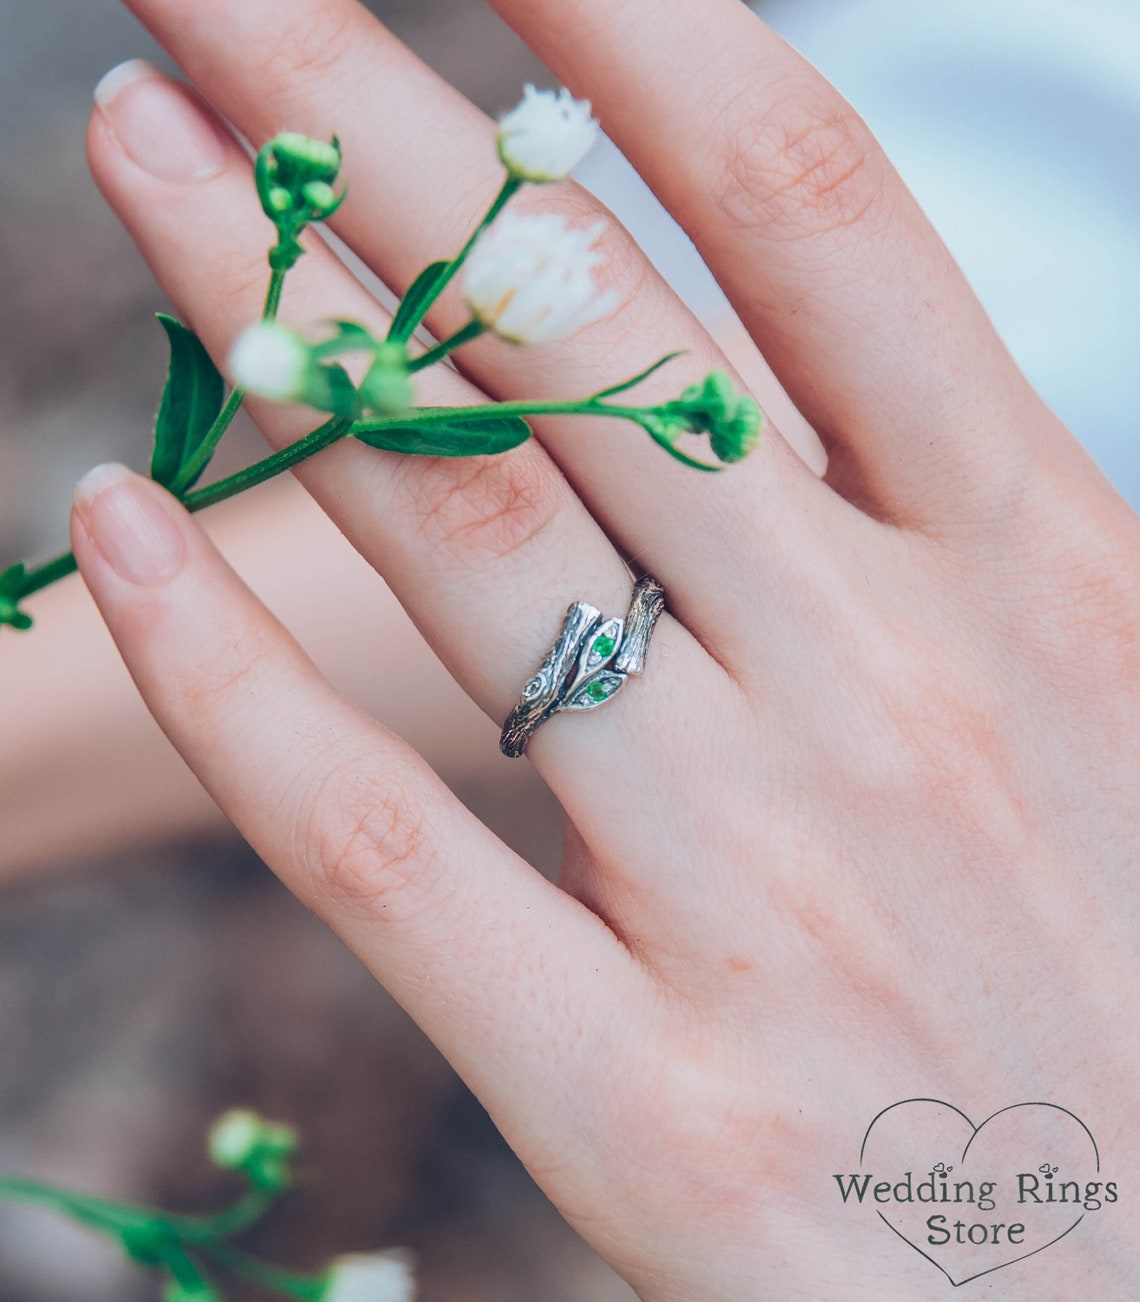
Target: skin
x,y
86,775
866,828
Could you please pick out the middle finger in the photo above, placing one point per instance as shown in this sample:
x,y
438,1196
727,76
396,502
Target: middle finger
x,y
413,141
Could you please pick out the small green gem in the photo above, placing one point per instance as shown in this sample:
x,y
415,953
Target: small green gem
x,y
604,645
597,691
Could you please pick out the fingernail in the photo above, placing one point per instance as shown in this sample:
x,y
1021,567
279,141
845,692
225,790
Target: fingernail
x,y
159,123
129,524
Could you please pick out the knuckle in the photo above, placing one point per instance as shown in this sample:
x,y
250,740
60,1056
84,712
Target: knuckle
x,y
364,839
221,681
722,1131
954,764
310,46
805,165
1074,609
622,265
484,505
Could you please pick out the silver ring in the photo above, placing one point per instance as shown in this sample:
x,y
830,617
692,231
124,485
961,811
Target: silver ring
x,y
588,664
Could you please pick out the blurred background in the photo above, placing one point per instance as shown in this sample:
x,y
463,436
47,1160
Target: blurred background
x,y
140,997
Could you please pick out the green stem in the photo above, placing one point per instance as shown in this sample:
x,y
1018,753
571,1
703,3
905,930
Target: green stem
x,y
47,573
204,1235
246,1212
183,1268
523,407
273,294
112,1218
581,407
306,1288
472,330
329,433
332,432
61,566
511,187
206,449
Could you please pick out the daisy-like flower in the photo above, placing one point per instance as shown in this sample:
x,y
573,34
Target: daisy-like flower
x,y
271,361
546,136
530,279
370,1277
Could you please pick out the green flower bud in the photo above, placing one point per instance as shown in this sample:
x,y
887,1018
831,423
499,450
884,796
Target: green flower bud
x,y
392,353
734,438
714,397
320,196
305,158
732,421
387,386
240,1140
294,176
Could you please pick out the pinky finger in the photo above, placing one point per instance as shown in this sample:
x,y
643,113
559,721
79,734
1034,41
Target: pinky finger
x,y
496,964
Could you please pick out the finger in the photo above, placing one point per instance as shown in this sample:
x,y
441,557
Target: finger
x,y
507,974
485,553
845,286
412,143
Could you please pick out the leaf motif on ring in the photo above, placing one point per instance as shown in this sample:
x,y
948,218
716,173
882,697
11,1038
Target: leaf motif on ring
x,y
596,691
601,646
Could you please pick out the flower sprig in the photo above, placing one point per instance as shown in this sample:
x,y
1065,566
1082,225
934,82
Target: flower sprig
x,y
192,1254
528,279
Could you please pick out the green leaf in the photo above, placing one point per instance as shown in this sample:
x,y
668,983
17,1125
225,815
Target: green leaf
x,y
190,403
331,389
425,289
449,438
11,590
659,436
12,580
637,379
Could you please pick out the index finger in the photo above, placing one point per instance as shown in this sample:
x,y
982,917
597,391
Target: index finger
x,y
515,981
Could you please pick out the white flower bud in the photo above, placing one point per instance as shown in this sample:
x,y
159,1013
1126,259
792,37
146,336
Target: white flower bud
x,y
546,136
530,279
271,361
371,1277
234,1136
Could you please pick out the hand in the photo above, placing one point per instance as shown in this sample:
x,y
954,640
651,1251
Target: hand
x,y
865,828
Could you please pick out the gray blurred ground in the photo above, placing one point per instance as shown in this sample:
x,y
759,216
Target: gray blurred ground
x,y
139,999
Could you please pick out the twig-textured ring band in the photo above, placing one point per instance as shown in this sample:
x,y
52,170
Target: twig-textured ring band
x,y
587,665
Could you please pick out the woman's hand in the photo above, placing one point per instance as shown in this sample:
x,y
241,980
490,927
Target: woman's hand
x,y
865,828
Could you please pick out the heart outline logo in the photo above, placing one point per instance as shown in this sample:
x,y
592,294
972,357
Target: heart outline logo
x,y
975,1131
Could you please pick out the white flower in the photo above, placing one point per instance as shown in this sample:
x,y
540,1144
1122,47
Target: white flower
x,y
546,136
271,361
371,1277
530,279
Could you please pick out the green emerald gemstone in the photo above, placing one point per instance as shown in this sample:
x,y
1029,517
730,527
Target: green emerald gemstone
x,y
604,645
598,691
